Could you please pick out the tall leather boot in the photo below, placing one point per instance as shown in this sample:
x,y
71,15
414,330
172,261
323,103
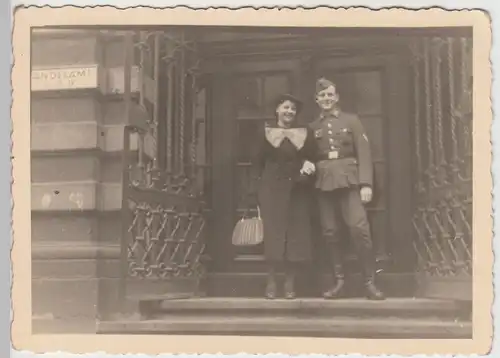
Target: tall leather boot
x,y
271,287
337,289
289,286
371,290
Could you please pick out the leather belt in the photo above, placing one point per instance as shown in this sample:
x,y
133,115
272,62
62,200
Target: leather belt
x,y
334,154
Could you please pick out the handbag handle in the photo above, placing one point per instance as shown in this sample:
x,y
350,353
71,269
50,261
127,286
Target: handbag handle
x,y
244,216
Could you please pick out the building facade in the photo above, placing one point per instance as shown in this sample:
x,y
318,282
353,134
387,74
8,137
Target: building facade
x,y
141,145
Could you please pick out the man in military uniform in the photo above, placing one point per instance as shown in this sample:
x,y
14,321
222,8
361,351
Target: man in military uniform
x,y
344,172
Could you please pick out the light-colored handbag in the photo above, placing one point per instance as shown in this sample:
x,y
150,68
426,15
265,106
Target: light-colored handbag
x,y
248,231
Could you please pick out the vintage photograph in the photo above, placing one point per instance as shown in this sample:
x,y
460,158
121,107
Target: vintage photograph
x,y
256,181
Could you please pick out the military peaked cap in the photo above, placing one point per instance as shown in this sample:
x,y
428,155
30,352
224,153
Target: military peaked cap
x,y
322,84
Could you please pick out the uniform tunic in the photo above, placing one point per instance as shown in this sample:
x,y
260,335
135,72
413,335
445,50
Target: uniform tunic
x,y
344,165
284,195
350,163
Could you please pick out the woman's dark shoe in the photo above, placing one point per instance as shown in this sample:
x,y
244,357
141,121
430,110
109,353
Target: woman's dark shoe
x,y
290,287
271,287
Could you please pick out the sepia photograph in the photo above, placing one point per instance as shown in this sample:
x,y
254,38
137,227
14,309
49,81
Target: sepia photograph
x,y
252,179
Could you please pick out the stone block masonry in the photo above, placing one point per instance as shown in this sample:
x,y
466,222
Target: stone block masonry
x,y
77,118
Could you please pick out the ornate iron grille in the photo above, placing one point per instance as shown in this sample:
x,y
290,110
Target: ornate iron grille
x,y
442,221
163,220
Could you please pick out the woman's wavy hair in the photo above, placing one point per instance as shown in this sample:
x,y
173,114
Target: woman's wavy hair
x,y
288,97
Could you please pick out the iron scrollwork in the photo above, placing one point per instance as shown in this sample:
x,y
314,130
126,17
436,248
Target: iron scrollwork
x,y
163,216
442,218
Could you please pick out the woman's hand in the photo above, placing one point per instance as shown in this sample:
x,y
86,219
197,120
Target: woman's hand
x,y
366,194
308,168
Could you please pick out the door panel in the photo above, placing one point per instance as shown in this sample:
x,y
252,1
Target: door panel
x,y
369,95
254,93
380,192
248,132
374,128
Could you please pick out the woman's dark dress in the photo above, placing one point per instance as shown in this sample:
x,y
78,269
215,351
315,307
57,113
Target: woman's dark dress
x,y
285,198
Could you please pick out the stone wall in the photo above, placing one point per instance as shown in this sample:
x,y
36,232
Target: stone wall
x,y
77,140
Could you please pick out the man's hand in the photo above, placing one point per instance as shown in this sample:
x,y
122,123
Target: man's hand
x,y
308,168
366,194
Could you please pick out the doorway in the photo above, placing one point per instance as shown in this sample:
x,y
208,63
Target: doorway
x,y
242,99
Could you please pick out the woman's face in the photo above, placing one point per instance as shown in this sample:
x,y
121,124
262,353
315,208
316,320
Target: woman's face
x,y
286,111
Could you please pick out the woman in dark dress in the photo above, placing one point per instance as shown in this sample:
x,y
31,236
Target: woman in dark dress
x,y
284,167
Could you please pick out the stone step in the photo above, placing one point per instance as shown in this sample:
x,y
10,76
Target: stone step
x,y
310,307
338,327
240,284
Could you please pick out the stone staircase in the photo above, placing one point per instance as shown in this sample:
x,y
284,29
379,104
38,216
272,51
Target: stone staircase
x,y
308,317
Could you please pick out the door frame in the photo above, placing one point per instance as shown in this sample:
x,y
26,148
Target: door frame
x,y
395,82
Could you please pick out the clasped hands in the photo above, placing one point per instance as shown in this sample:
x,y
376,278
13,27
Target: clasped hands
x,y
366,192
308,168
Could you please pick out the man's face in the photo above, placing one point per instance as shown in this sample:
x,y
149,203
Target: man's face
x,y
327,98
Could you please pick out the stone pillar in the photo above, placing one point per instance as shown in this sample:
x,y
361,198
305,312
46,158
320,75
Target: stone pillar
x,y
77,141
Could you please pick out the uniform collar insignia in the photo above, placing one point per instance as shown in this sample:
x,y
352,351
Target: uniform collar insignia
x,y
335,113
276,135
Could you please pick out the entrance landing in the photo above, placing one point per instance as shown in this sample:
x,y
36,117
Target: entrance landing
x,y
309,317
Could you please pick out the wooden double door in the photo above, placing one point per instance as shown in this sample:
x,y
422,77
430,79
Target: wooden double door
x,y
241,98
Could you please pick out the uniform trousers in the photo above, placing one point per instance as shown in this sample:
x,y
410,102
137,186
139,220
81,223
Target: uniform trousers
x,y
347,202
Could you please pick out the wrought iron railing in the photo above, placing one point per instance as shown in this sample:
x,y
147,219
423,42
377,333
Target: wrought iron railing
x,y
163,211
164,222
442,132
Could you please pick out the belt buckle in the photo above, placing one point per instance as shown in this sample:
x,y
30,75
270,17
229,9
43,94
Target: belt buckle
x,y
334,154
